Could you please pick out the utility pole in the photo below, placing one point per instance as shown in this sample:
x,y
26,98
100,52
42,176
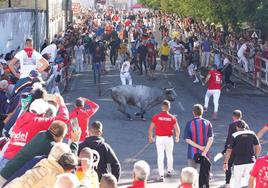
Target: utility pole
x,y
47,19
36,26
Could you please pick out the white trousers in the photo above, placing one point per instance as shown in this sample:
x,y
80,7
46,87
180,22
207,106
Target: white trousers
x,y
79,67
206,58
177,61
126,77
242,171
164,145
216,93
243,61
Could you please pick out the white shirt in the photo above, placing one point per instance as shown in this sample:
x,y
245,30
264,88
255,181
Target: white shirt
x,y
27,64
78,50
52,50
242,50
125,67
177,48
226,61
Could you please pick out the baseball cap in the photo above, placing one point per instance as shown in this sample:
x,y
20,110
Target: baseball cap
x,y
34,74
39,106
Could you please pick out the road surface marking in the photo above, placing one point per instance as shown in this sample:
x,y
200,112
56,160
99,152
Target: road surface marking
x,y
181,106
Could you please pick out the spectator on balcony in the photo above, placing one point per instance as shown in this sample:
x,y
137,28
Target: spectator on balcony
x,y
206,45
242,56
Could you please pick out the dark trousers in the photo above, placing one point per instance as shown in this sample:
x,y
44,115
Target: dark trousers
x,y
113,57
143,62
135,62
227,79
96,72
228,173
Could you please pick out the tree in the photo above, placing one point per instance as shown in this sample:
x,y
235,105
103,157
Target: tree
x,y
225,12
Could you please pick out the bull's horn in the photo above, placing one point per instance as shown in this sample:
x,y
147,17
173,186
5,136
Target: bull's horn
x,y
170,89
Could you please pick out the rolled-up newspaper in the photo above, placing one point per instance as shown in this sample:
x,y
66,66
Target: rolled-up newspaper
x,y
217,157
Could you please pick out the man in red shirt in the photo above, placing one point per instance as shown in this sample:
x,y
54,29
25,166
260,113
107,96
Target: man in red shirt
x,y
214,80
29,124
259,173
83,114
164,124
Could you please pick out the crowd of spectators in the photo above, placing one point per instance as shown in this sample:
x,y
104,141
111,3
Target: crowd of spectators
x,y
36,124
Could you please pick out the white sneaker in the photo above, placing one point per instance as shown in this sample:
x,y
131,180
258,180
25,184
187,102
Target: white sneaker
x,y
195,81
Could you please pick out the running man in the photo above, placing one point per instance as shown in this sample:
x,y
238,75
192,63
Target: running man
x,y
214,80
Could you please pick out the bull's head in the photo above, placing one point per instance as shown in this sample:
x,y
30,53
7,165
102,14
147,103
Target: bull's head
x,y
169,94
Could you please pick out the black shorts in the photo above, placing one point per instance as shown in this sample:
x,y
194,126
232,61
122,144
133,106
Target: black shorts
x,y
164,57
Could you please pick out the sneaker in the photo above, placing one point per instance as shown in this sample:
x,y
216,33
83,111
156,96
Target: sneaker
x,y
205,109
169,174
234,85
214,115
195,81
161,179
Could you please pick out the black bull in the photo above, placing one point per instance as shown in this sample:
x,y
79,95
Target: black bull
x,y
140,96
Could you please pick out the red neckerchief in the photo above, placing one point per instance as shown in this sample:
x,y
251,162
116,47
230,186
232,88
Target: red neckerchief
x,y
138,183
185,186
29,52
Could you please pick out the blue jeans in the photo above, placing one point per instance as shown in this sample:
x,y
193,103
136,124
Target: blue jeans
x,y
3,162
96,72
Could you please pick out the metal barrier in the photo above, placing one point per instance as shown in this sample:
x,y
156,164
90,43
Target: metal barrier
x,y
66,74
259,77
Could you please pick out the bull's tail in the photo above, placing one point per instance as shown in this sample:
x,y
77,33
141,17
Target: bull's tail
x,y
106,91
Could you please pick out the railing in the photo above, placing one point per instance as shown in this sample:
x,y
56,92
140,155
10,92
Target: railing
x,y
258,78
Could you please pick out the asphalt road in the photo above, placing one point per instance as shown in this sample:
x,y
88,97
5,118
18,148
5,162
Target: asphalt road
x,y
129,138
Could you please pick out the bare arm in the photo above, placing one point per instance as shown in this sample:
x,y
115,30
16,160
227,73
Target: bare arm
x,y
208,145
262,132
207,78
44,64
257,150
251,182
226,159
177,132
11,67
192,143
150,132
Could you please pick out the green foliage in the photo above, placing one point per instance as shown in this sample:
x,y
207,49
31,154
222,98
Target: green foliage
x,y
232,12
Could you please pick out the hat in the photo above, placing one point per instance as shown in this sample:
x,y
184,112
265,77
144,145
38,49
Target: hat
x,y
39,106
3,84
34,74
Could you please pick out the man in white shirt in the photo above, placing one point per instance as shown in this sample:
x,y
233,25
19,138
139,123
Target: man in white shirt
x,y
241,55
52,50
29,60
79,51
177,50
124,73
